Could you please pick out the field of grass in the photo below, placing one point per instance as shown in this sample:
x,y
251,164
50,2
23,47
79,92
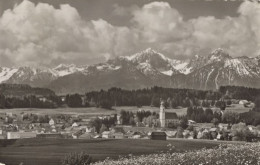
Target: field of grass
x,y
50,151
92,111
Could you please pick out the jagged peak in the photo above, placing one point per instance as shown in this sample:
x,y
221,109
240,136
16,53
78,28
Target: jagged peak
x,y
219,52
64,66
147,53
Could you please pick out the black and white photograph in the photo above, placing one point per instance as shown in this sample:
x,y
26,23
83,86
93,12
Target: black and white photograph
x,y
129,82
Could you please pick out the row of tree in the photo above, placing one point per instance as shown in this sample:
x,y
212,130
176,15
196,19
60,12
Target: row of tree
x,y
150,97
31,101
102,125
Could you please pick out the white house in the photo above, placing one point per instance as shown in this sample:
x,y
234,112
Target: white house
x,y
75,124
89,130
107,134
191,122
20,135
13,135
51,122
242,102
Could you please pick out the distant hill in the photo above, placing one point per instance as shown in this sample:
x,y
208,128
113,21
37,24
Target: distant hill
x,y
16,90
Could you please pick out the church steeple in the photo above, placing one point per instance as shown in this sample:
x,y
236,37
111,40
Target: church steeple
x,y
162,114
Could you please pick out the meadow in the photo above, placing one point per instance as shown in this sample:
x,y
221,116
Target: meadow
x,y
51,151
238,154
94,111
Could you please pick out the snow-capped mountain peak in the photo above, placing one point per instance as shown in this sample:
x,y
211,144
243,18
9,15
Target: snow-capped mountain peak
x,y
66,69
218,55
146,68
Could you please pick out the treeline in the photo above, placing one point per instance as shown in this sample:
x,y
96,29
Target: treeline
x,y
20,90
239,92
32,101
102,125
150,97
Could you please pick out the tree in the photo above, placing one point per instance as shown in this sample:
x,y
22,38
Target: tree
x,y
215,121
229,102
103,128
208,115
179,133
107,104
96,123
74,100
230,117
76,159
257,104
240,132
184,123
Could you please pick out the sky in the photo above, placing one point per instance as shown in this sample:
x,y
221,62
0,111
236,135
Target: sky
x,y
50,32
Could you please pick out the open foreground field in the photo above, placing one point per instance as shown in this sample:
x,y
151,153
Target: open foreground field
x,y
50,151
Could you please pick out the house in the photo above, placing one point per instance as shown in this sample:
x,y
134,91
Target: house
x,y
213,130
171,134
20,135
136,134
51,122
88,130
97,136
158,136
107,135
24,135
191,122
9,114
85,136
167,119
74,124
118,135
119,120
49,135
13,135
242,102
43,99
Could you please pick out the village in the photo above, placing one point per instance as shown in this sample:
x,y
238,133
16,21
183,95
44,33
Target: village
x,y
156,126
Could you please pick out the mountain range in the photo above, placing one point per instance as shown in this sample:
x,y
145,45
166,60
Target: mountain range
x,y
144,69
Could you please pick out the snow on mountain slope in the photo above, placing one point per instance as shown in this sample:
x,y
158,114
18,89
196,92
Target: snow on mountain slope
x,y
146,68
156,61
63,69
6,73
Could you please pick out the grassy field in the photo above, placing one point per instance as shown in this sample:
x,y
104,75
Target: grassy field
x,y
50,151
93,111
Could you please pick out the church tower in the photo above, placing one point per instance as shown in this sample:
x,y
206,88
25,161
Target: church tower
x,y
162,114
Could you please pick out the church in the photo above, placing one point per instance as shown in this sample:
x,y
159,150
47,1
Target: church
x,y
167,119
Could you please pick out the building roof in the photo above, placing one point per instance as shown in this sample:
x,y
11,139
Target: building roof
x,y
170,115
158,134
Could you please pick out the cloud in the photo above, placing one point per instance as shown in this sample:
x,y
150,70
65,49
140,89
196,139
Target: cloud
x,y
43,35
162,25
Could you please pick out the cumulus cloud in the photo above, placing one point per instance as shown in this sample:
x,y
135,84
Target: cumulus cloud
x,y
40,34
162,25
43,35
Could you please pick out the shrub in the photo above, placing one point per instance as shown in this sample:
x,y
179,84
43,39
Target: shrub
x,y
76,159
